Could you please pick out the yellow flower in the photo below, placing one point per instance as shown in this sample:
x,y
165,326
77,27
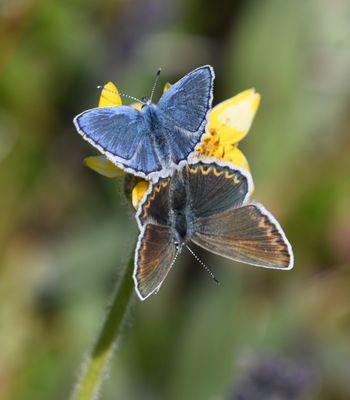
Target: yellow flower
x,y
166,87
229,122
110,96
103,166
137,193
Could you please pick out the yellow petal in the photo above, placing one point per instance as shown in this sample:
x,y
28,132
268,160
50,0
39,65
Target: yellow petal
x,y
224,152
138,192
103,166
210,144
232,118
138,106
234,155
166,87
109,96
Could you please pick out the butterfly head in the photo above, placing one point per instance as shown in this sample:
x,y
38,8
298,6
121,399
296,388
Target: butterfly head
x,y
145,102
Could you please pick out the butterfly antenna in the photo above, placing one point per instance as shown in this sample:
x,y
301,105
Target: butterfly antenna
x,y
106,89
155,83
122,94
202,264
178,251
132,98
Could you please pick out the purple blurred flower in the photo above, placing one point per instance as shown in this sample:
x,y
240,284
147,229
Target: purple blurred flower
x,y
273,379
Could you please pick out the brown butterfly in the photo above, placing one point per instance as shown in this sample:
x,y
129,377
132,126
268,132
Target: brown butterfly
x,y
206,203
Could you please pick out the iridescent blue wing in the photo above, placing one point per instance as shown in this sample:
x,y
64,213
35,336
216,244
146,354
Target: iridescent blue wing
x,y
154,256
183,111
188,101
213,188
122,135
248,234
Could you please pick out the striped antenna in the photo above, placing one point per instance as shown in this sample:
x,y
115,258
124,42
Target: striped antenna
x,y
202,264
122,94
155,84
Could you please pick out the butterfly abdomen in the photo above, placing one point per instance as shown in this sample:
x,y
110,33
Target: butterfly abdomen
x,y
179,208
180,226
159,135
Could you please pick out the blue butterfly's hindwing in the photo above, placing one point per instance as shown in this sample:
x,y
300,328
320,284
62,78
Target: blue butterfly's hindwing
x,y
122,134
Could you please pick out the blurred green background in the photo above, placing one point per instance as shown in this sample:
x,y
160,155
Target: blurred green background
x,y
66,232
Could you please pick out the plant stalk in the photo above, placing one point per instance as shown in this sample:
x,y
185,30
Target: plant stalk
x,y
95,368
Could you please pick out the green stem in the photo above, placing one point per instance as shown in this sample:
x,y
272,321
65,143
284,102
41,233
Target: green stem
x,y
95,367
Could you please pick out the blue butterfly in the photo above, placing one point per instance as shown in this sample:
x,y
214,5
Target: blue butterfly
x,y
158,137
207,203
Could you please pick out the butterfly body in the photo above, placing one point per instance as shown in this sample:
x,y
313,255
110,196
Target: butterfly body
x,y
152,141
159,132
206,203
178,209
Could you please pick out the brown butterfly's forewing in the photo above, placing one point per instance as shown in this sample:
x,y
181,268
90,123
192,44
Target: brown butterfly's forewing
x,y
249,234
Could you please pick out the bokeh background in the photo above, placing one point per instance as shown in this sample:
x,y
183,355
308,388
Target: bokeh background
x,y
66,233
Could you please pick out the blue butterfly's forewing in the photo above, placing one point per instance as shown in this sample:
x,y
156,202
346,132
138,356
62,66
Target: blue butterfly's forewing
x,y
183,110
122,134
188,101
117,130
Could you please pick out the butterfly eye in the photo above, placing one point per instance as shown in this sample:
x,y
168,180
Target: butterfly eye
x,y
145,102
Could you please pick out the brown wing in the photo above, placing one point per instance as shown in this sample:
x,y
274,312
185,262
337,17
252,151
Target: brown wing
x,y
156,204
154,256
248,234
215,188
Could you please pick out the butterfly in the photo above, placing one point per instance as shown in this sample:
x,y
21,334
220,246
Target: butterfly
x,y
157,138
207,203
